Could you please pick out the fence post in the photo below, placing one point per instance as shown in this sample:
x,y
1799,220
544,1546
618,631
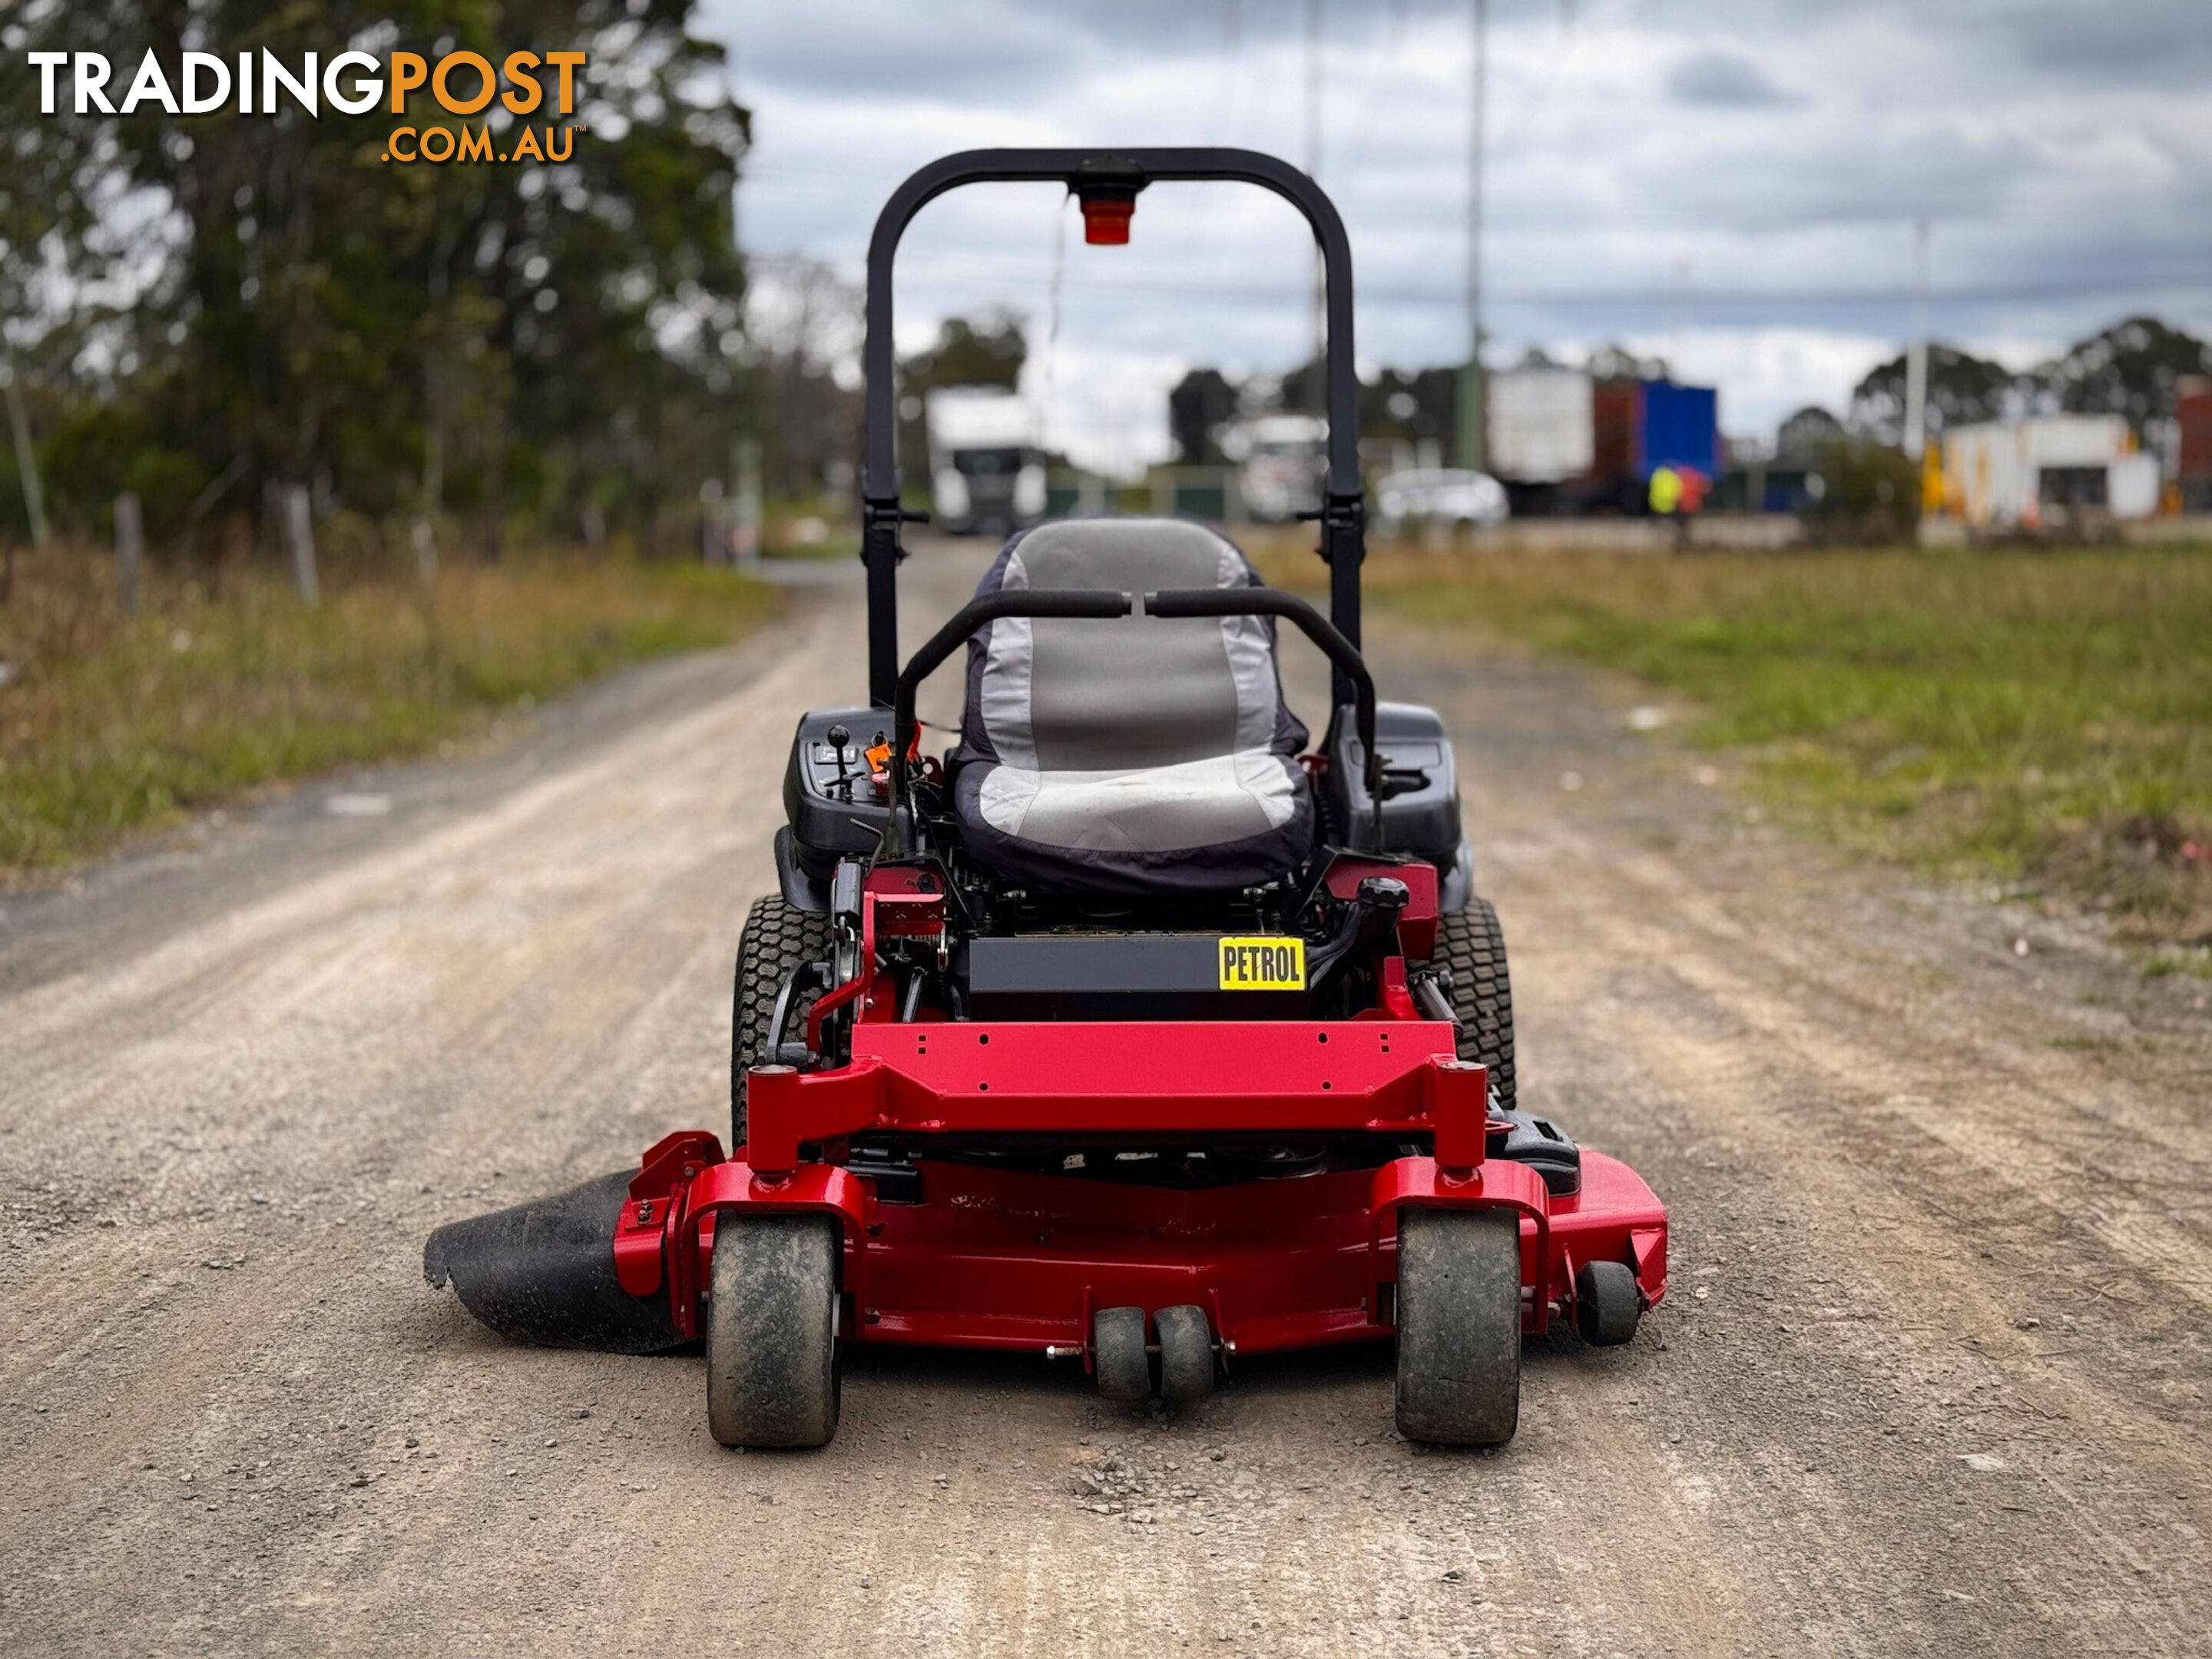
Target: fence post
x,y
426,549
299,538
27,460
745,505
129,549
714,523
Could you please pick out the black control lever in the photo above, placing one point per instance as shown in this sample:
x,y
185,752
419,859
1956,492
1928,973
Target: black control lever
x,y
1370,918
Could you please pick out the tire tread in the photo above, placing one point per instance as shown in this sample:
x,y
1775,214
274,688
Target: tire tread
x,y
772,1331
1472,946
777,938
1458,1326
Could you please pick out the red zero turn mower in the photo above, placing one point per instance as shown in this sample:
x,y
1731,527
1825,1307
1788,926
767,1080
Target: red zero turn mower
x,y
1127,1029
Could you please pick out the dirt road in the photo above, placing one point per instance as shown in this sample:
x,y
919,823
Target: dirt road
x,y
1933,1378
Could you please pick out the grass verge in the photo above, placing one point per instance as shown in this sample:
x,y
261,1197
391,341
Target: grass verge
x,y
2035,715
108,726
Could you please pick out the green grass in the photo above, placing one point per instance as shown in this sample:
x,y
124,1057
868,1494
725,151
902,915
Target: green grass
x,y
108,727
2040,715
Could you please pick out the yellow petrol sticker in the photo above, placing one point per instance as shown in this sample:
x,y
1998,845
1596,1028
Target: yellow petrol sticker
x,y
1263,964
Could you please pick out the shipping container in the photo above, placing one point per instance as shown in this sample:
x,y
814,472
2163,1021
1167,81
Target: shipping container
x,y
2192,415
1539,423
1638,425
1681,428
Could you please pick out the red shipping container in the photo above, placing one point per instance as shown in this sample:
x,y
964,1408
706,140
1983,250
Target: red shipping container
x,y
2192,412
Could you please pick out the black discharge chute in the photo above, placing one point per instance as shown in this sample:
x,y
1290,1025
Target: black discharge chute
x,y
544,1271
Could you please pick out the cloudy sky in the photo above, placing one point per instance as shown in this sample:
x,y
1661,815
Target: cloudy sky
x,y
1730,183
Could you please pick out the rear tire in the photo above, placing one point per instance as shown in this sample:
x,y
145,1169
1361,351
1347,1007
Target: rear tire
x,y
1458,1326
1471,945
1117,1352
777,938
1185,1355
772,1371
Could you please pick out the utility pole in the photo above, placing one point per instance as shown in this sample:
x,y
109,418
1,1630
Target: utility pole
x,y
1313,170
1473,451
1916,355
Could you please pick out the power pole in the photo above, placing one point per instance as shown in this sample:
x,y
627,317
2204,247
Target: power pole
x,y
1473,451
1313,170
1916,356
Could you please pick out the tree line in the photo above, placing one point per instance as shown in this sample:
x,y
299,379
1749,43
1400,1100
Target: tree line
x,y
2132,368
208,312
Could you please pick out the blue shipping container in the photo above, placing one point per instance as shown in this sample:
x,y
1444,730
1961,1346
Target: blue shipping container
x,y
1680,427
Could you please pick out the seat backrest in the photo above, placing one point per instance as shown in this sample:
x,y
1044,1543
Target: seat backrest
x,y
1055,696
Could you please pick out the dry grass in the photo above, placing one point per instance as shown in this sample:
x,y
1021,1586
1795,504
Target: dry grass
x,y
2039,716
108,726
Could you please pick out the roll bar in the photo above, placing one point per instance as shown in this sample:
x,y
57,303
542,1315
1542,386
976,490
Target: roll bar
x,y
1117,173
1102,603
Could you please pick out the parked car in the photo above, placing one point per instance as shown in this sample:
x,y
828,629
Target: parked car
x,y
1445,495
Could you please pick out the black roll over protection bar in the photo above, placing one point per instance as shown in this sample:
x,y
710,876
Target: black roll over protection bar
x,y
1099,177
1105,604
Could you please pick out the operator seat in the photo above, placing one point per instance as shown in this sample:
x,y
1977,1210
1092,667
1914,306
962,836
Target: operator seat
x,y
1137,756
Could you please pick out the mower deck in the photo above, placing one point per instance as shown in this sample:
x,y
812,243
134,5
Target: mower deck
x,y
945,1252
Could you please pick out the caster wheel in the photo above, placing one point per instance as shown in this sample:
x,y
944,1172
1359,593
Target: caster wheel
x,y
1185,1355
1458,1326
772,1371
1607,1303
1117,1349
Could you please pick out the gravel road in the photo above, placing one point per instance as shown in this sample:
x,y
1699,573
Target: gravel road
x,y
1932,1377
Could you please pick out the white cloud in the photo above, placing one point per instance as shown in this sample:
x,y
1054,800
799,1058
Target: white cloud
x,y
2062,148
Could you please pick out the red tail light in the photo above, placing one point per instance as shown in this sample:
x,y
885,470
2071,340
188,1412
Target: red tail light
x,y
1106,219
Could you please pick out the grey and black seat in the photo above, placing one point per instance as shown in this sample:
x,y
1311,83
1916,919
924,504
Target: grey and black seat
x,y
1141,755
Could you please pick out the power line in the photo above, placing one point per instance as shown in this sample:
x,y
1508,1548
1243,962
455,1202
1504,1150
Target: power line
x,y
1668,297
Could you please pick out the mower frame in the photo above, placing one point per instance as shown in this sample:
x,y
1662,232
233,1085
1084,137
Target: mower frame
x,y
946,1149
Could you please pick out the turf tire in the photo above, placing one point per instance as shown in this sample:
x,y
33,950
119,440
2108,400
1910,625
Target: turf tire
x,y
1458,1326
772,1371
1117,1354
1470,943
1186,1354
777,938
1607,1303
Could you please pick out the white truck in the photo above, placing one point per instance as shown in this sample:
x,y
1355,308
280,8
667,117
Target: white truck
x,y
2047,471
1279,461
986,472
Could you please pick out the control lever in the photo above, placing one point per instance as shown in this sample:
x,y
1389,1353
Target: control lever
x,y
1365,925
839,736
